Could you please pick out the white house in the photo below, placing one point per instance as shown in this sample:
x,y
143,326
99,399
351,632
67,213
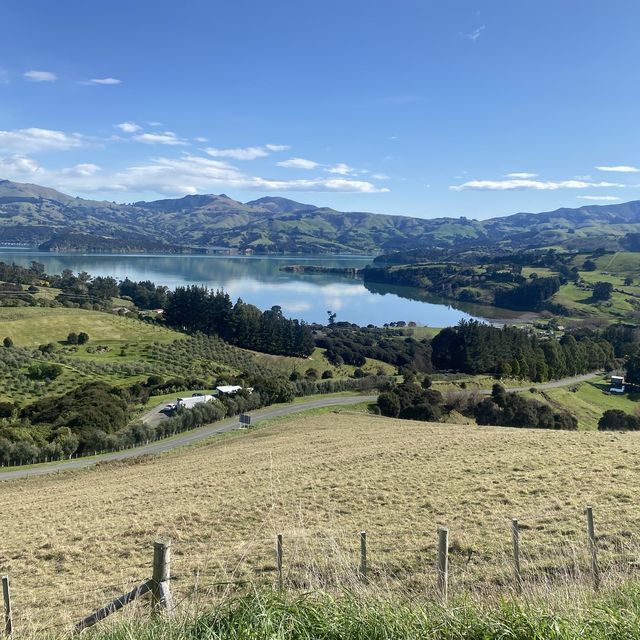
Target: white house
x,y
229,389
189,403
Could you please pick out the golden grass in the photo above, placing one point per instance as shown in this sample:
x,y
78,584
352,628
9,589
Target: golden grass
x,y
319,479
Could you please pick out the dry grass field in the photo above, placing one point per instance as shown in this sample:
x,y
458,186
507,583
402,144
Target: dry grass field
x,y
74,540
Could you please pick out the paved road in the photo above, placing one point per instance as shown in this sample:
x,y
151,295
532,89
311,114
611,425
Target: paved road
x,y
230,424
160,446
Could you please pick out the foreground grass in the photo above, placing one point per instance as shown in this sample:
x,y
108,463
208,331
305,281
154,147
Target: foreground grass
x,y
269,616
320,479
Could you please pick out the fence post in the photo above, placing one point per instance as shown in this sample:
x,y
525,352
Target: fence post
x,y
363,556
443,562
160,590
279,561
6,594
595,571
515,541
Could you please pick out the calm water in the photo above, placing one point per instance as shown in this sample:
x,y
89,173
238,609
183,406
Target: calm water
x,y
259,281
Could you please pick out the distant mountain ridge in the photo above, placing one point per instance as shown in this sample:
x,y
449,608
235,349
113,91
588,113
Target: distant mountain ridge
x,y
37,215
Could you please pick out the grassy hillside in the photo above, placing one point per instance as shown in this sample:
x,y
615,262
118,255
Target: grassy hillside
x,y
319,480
29,213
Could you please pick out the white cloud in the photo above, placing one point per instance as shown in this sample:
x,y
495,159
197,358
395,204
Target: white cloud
x,y
380,176
166,137
298,163
41,76
128,127
170,176
622,168
277,147
103,81
31,140
201,139
84,169
341,169
538,185
522,176
474,35
600,198
4,76
240,153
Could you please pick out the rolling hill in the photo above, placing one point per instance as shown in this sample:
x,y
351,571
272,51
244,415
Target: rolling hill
x,y
36,215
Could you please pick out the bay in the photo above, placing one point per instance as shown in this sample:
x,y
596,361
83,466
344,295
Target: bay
x,y
259,281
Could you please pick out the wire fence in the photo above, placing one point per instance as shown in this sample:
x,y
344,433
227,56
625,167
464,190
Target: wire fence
x,y
485,560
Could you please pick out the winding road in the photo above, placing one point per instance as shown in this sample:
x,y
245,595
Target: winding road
x,y
189,437
230,424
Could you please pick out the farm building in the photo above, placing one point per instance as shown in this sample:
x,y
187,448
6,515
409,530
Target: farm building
x,y
227,390
189,403
617,384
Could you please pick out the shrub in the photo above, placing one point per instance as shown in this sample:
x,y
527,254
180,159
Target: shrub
x,y
8,342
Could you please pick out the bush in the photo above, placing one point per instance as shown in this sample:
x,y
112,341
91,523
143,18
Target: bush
x,y
389,404
72,338
617,420
8,342
83,338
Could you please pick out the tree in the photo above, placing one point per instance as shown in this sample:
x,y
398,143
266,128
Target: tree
x,y
389,404
602,290
589,265
617,420
72,338
7,342
83,338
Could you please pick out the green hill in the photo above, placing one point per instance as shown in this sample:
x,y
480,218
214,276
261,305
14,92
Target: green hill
x,y
31,214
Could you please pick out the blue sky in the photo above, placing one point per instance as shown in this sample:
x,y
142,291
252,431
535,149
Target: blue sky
x,y
414,107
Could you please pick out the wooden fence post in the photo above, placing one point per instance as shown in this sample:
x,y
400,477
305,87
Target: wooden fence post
x,y
363,556
160,590
6,594
443,562
279,561
595,571
515,541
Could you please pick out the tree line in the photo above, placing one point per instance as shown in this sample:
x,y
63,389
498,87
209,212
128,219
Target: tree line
x,y
198,309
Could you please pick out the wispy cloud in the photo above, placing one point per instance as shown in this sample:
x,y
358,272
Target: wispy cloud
x,y
40,76
536,185
600,198
522,175
5,78
476,33
166,137
128,127
188,174
620,168
102,81
341,169
32,140
298,163
245,153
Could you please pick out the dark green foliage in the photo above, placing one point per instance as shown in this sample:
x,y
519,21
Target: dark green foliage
x,y
350,344
633,368
473,347
7,342
90,407
72,338
513,410
44,371
589,265
602,291
196,309
389,404
7,409
145,294
617,420
83,338
528,295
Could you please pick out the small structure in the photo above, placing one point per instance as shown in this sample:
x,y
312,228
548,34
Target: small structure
x,y
228,390
617,384
189,403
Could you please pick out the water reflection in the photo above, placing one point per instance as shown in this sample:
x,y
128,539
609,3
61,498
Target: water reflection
x,y
258,280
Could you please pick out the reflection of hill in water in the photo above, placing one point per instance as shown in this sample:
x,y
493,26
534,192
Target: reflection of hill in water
x,y
175,270
413,293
